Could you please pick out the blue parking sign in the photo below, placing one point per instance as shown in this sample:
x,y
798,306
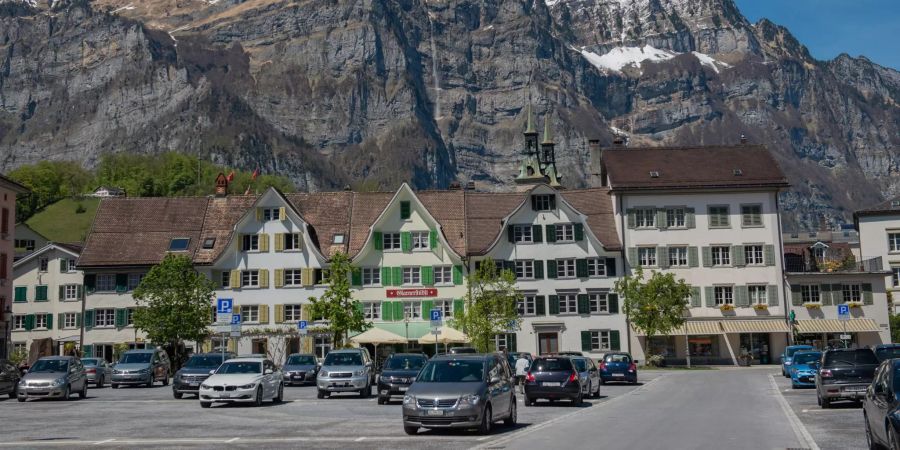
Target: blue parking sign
x,y
301,325
843,311
235,319
224,305
436,315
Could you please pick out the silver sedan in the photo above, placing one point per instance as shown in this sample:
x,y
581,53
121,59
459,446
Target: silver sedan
x,y
98,371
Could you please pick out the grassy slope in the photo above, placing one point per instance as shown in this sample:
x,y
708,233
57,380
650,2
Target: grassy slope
x,y
59,222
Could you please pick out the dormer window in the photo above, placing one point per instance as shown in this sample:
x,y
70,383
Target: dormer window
x,y
737,172
270,214
895,203
179,244
209,243
654,174
543,202
338,238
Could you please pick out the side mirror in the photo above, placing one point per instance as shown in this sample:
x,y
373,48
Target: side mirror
x,y
268,372
212,372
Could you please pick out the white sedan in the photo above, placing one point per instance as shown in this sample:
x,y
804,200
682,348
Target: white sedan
x,y
243,380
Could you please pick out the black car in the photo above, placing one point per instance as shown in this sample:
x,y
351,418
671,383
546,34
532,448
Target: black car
x,y
462,350
9,378
887,351
398,373
552,378
880,407
844,374
187,380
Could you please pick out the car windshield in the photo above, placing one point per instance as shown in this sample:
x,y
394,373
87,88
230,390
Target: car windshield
x,y
240,367
135,358
617,358
302,360
90,362
404,363
887,353
551,365
204,361
851,358
49,365
580,364
790,351
343,359
452,371
806,357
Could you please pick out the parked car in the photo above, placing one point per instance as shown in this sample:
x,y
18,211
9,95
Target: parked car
x,y
618,366
9,378
803,368
887,351
187,380
881,407
348,370
243,380
844,374
568,353
300,368
553,378
512,357
589,374
788,355
461,391
141,367
98,371
53,377
461,350
397,373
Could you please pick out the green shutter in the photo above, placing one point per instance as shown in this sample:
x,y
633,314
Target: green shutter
x,y
404,210
427,305
551,268
511,343
772,294
661,221
359,307
121,282
457,275
89,319
554,304
459,307
707,257
61,320
62,293
40,293
614,340
90,282
540,305
49,321
356,276
584,306
633,257
29,322
696,301
397,276
662,257
378,240
386,276
427,276
613,300
867,293
693,259
737,256
796,297
21,294
551,233
405,241
87,351
581,268
610,267
769,254
632,221
742,296
387,313
585,341
432,239
538,266
537,233
77,320
120,318
579,232
710,294
690,220
397,308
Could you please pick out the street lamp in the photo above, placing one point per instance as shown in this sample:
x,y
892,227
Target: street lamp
x,y
406,322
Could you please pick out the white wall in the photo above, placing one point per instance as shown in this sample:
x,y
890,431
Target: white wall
x,y
873,240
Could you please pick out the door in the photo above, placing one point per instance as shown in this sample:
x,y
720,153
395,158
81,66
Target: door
x,y
879,393
548,343
6,379
498,390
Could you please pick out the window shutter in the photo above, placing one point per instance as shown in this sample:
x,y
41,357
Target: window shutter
x,y
769,254
282,213
459,307
259,214
551,268
88,319
867,293
397,276
633,257
279,278
87,351
737,255
263,314
511,344
432,239
404,210
661,221
710,297
427,273
825,294
696,301
386,276
662,257
511,233
610,267
79,292
457,275
772,294
579,232
78,320
427,306
306,277
690,220
234,281
387,313
279,242
537,233
378,240
356,276
554,304
540,305
632,220
49,321
552,202
613,300
279,313
405,241
120,318
581,268
693,259
615,343
551,233
61,320
121,282
534,203
538,266
583,305
263,242
741,296
586,341
357,305
90,282
707,257
62,293
796,297
264,278
41,293
21,294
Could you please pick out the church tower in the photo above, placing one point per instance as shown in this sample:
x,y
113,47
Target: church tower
x,y
538,165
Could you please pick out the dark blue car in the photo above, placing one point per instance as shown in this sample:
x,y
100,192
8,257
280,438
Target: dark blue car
x,y
803,369
618,366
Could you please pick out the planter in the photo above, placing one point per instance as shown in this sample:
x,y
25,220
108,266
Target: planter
x,y
813,305
855,304
726,307
760,307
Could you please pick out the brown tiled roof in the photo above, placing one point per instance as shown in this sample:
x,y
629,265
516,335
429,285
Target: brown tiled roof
x,y
692,167
13,185
484,217
596,204
328,213
366,207
222,213
448,208
887,207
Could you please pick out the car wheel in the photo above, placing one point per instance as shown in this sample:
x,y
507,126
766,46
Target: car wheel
x,y
83,393
602,381
382,400
511,420
280,396
21,399
892,441
15,392
66,393
527,401
826,403
597,392
487,420
258,400
177,395
205,404
321,394
364,392
166,381
870,443
410,430
578,400
99,382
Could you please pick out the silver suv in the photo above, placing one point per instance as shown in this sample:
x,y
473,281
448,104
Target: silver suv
x,y
348,370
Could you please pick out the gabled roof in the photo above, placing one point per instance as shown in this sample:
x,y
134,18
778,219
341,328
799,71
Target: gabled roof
x,y
888,207
365,208
12,185
73,250
221,215
662,168
328,213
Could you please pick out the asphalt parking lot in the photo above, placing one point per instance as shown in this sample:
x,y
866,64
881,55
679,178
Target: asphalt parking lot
x,y
151,417
839,427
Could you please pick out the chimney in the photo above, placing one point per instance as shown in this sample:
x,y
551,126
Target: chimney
x,y
470,186
743,139
347,188
597,168
221,185
454,186
619,141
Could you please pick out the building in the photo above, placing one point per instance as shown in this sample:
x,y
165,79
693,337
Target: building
x,y
47,297
108,191
879,237
9,190
710,215
28,240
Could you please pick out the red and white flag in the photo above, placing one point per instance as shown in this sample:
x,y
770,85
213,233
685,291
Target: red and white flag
x,y
230,177
255,174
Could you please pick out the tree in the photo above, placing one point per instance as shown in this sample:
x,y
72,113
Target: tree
x,y
656,305
895,327
48,181
490,306
337,306
175,304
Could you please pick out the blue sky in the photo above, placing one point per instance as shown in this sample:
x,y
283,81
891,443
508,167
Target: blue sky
x,y
831,27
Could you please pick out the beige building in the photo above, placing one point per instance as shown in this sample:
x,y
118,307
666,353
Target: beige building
x,y
879,237
28,240
8,191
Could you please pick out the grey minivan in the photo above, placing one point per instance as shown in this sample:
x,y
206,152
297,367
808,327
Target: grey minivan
x,y
141,367
461,391
54,377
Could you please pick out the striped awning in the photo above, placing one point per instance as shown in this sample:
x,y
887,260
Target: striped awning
x,y
819,326
755,326
694,327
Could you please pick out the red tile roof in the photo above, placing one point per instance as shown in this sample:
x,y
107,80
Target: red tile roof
x,y
888,207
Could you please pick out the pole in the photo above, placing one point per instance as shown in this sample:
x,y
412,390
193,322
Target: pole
x,y
223,347
687,347
436,348
846,344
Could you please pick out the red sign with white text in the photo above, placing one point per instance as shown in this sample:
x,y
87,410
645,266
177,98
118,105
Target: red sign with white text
x,y
400,293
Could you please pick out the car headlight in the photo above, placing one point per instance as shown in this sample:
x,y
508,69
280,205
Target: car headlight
x,y
787,363
358,373
323,373
205,386
247,386
22,382
144,370
469,400
409,400
59,382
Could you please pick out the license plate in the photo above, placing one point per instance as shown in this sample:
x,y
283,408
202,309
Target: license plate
x,y
550,384
297,377
435,412
194,383
618,374
854,389
403,389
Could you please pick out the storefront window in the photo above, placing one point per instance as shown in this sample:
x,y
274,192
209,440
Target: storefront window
x,y
703,346
663,345
757,345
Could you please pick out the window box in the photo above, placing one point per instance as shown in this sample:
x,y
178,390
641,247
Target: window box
x,y
855,304
726,307
813,305
760,307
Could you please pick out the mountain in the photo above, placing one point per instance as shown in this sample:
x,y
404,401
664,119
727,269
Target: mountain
x,y
375,92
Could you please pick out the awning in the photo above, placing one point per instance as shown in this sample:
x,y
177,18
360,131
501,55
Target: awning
x,y
819,326
694,327
447,336
378,336
755,326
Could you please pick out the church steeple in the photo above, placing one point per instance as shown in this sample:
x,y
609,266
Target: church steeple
x,y
538,163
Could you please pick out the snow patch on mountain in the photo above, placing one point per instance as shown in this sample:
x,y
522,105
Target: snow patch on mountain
x,y
621,57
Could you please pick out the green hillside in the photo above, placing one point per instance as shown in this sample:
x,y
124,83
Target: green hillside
x,y
60,222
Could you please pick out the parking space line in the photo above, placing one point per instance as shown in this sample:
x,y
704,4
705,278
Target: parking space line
x,y
799,429
232,440
104,442
359,439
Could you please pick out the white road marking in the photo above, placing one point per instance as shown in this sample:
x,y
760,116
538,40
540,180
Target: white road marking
x,y
256,440
232,440
360,439
104,442
799,429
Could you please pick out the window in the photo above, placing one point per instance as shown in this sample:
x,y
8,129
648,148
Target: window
x,y
391,241
371,276
411,275
70,320
179,244
758,295
292,241
596,267
323,345
104,318
446,307
599,340
40,321
70,292
44,263
565,232
598,303
894,242
134,279
209,243
129,317
443,275
543,202
270,214
675,218
851,293
18,322
419,240
338,238
647,256
225,279
25,244
522,234
565,268
524,269
19,347
568,303
250,313
372,310
66,265
106,282
751,215
721,255
251,242
292,277
718,217
645,218
724,295
292,313
809,293
753,254
678,257
320,276
526,305
501,341
412,309
249,278
896,276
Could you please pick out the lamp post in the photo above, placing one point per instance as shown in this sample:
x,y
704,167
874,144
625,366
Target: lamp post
x,y
406,322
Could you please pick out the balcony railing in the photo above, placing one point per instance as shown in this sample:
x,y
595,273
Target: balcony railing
x,y
807,264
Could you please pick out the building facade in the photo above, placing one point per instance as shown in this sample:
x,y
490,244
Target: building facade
x,y
879,237
9,190
27,240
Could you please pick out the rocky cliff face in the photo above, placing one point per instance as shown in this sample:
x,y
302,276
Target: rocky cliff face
x,y
332,92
